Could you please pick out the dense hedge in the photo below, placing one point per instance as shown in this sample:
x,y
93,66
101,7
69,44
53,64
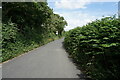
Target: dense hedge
x,y
96,48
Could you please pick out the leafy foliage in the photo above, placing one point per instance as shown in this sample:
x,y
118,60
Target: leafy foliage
x,y
96,48
28,25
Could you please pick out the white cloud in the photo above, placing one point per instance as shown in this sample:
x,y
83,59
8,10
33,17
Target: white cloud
x,y
71,4
84,0
75,19
0,7
75,4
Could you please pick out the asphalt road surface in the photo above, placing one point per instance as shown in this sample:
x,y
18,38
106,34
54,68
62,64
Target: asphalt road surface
x,y
48,61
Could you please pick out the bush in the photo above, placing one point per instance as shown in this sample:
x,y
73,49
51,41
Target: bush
x,y
14,43
27,26
96,47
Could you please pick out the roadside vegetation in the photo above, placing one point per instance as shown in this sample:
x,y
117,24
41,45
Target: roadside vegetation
x,y
27,25
95,48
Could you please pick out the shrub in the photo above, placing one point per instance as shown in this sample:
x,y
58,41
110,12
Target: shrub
x,y
96,47
27,26
14,43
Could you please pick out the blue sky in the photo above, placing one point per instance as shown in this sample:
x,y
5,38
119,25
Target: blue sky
x,y
78,13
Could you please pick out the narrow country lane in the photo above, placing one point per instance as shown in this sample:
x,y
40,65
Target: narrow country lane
x,y
48,61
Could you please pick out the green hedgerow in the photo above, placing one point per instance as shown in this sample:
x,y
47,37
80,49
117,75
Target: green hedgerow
x,y
96,47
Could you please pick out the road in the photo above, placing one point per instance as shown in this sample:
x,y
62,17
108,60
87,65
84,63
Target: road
x,y
47,61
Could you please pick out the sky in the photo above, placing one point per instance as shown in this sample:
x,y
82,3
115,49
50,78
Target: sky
x,y
80,12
